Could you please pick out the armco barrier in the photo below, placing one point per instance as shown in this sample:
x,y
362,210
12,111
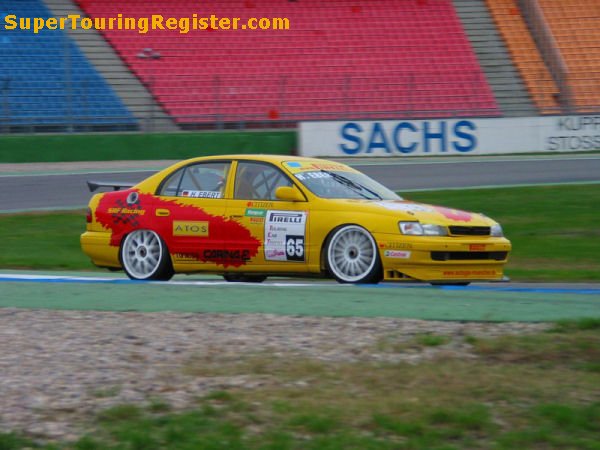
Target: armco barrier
x,y
134,146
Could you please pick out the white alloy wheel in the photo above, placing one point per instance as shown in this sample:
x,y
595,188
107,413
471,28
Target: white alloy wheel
x,y
144,256
352,255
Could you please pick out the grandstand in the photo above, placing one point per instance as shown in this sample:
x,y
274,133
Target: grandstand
x,y
340,59
47,83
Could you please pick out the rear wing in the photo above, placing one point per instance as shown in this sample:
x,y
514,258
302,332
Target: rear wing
x,y
115,185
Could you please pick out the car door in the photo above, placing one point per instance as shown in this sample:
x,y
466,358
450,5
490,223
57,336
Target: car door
x,y
190,213
280,227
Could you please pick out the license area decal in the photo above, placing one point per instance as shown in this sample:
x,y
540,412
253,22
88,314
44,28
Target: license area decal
x,y
285,236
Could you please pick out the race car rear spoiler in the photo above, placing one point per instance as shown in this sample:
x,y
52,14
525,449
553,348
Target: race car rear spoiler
x,y
115,185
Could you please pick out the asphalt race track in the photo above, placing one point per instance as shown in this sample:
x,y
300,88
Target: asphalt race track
x,y
63,189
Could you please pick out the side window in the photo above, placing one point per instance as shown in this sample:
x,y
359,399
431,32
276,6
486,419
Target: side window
x,y
258,181
204,180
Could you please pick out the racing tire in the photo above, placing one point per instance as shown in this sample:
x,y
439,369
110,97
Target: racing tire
x,y
144,256
351,255
240,278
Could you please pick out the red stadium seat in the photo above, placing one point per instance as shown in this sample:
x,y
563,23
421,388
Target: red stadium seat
x,y
339,58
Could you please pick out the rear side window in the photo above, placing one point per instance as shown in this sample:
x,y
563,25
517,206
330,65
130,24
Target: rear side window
x,y
204,180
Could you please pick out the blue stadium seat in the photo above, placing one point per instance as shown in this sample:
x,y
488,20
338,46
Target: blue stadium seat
x,y
37,85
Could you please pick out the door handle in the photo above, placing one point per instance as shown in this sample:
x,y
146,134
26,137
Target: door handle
x,y
163,212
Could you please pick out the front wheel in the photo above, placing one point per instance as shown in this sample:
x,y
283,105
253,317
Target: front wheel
x,y
352,257
144,256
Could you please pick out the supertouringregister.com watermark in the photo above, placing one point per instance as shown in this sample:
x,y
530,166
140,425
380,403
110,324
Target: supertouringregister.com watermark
x,y
143,25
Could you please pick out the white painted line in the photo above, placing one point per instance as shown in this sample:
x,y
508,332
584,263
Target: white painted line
x,y
91,279
76,172
45,208
498,186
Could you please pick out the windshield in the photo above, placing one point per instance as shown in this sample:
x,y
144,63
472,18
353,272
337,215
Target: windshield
x,y
344,184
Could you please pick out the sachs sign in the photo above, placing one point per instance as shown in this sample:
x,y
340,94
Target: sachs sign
x,y
450,136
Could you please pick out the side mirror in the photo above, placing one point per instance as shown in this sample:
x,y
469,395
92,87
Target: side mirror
x,y
289,194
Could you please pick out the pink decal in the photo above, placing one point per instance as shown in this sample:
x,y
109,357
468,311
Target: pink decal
x,y
454,214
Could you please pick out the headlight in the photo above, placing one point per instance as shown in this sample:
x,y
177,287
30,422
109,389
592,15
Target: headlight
x,y
422,229
496,230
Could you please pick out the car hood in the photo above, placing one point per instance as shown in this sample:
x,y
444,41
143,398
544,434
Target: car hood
x,y
413,211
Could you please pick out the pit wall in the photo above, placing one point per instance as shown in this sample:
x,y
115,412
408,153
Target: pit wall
x,y
134,146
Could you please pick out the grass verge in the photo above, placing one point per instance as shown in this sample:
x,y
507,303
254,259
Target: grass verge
x,y
537,391
554,231
43,241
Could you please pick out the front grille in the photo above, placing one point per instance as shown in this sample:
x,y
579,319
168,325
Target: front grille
x,y
468,256
460,230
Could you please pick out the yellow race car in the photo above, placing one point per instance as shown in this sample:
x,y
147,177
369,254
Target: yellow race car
x,y
252,216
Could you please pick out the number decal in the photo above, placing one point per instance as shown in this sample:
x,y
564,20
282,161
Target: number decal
x,y
285,235
294,247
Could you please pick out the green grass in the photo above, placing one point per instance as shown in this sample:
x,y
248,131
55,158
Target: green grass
x,y
518,392
43,241
555,231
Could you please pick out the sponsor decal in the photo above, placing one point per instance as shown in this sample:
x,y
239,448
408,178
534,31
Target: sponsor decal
x,y
195,228
201,194
477,247
454,214
405,206
127,211
305,166
286,217
469,273
272,254
230,256
395,245
285,235
257,220
401,254
260,204
186,256
221,229
255,212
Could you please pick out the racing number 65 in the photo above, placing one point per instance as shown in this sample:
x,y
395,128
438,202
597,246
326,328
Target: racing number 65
x,y
294,248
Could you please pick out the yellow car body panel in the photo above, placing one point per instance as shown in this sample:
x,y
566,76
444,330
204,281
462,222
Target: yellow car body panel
x,y
217,232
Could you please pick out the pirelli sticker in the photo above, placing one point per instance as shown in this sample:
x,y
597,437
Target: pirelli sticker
x,y
285,236
190,228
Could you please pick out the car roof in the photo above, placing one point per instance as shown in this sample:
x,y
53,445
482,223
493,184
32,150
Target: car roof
x,y
256,157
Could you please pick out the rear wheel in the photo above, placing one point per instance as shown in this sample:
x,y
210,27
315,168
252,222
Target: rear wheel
x,y
352,257
144,256
241,278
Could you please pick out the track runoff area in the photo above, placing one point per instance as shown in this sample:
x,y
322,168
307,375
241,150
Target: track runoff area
x,y
210,294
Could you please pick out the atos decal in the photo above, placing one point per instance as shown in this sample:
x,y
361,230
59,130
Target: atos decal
x,y
195,228
408,137
202,234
